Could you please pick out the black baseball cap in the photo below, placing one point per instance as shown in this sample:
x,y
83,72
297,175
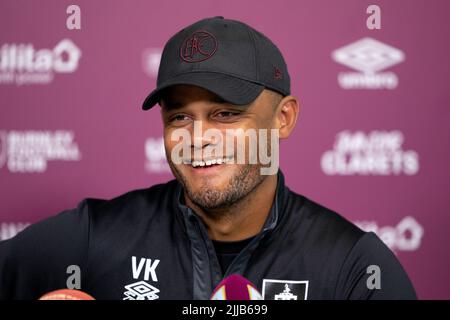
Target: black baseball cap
x,y
226,57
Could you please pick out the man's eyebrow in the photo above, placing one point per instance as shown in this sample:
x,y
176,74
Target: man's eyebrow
x,y
173,103
218,99
168,103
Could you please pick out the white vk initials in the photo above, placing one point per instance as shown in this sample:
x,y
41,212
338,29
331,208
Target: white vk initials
x,y
150,268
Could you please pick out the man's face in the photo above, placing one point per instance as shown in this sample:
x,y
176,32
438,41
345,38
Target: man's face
x,y
222,184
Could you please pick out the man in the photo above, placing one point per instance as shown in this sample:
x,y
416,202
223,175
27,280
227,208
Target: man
x,y
224,214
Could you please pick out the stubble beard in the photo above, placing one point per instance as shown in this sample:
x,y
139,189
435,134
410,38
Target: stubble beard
x,y
213,201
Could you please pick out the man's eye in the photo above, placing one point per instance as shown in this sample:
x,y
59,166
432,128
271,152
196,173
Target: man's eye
x,y
226,114
179,117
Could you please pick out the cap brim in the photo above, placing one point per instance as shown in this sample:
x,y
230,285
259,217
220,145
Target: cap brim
x,y
231,89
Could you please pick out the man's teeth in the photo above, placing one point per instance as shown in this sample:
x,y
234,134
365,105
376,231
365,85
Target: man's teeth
x,y
201,163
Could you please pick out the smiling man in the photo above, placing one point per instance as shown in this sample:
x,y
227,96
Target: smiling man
x,y
232,198
224,93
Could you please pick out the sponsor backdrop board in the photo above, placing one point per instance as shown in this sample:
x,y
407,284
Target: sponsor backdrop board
x,y
371,142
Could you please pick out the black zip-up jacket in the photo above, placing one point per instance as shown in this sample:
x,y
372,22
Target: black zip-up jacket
x,y
146,244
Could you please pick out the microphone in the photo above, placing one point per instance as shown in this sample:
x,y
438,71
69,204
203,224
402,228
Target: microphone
x,y
236,287
66,294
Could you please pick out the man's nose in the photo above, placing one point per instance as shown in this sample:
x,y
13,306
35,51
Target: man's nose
x,y
200,140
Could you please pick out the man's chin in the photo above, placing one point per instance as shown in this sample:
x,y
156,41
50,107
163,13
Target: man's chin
x,y
209,192
207,198
209,187
216,188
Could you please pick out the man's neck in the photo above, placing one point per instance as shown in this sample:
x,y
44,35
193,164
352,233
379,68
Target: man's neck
x,y
245,218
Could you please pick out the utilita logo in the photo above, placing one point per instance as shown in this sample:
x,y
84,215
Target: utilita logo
x,y
368,56
22,64
405,236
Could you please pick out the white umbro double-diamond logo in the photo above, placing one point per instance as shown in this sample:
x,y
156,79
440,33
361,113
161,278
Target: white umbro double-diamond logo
x,y
368,55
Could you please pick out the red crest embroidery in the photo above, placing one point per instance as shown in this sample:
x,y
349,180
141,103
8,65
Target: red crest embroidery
x,y
199,46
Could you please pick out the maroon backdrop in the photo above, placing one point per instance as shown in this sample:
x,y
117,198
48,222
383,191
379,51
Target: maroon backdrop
x,y
372,141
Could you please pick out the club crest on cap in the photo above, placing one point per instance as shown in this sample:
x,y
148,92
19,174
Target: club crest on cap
x,y
199,46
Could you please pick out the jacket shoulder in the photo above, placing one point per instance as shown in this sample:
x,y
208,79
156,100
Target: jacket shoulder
x,y
132,203
324,226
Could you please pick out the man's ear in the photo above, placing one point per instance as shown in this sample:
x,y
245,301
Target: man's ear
x,y
286,115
